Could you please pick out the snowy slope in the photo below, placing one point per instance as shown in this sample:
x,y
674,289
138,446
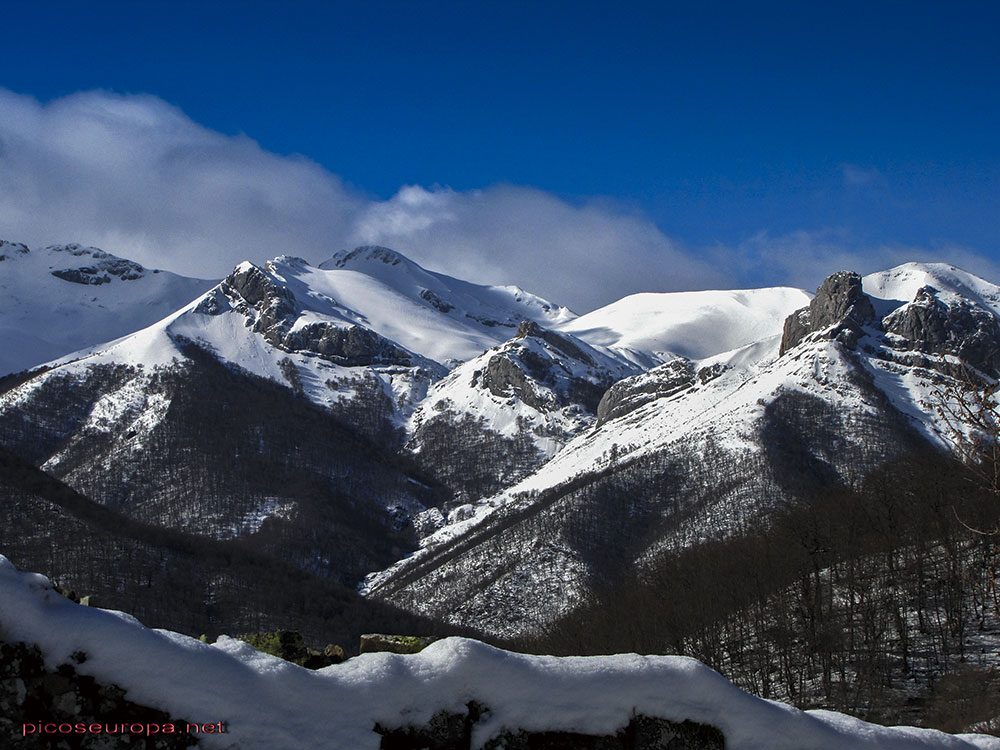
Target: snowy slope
x,y
268,703
67,297
443,318
652,328
725,409
900,284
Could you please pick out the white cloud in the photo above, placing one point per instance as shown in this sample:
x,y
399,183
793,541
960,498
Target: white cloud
x,y
586,255
137,177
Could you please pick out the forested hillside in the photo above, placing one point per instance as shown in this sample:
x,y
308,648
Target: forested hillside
x,y
879,600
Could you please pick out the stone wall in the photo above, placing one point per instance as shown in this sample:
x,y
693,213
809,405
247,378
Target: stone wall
x,y
63,710
447,731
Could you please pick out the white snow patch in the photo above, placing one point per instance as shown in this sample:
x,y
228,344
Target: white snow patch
x,y
652,328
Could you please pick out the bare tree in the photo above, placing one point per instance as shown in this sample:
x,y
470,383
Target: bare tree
x,y
967,405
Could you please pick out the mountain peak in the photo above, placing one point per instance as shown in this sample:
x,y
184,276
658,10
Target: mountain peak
x,y
363,255
288,261
840,300
68,297
77,250
901,284
11,249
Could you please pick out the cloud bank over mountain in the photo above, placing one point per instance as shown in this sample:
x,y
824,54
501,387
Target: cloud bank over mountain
x,y
136,176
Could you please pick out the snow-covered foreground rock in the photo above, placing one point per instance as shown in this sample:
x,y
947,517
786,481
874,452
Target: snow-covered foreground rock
x,y
265,702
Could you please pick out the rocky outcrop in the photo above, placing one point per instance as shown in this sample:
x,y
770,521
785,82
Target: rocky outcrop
x,y
372,252
916,331
503,378
395,644
270,305
105,268
436,302
290,646
840,304
709,373
42,707
85,275
561,343
840,297
271,310
351,347
925,319
453,731
102,272
629,394
930,325
542,375
489,322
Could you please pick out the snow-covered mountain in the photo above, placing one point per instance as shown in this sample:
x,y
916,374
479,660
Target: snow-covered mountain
x,y
477,455
371,316
500,401
66,297
136,421
369,333
518,404
695,449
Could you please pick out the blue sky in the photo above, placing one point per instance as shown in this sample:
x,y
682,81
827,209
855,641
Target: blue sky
x,y
737,131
